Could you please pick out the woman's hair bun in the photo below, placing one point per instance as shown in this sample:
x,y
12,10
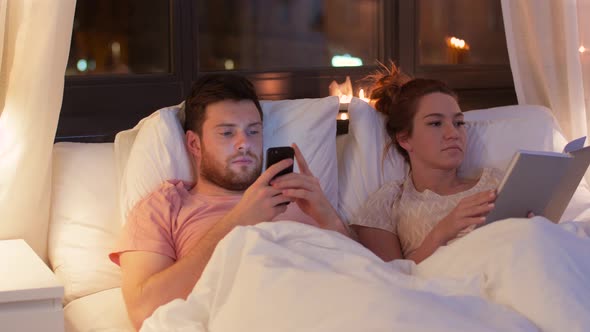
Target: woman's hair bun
x,y
386,84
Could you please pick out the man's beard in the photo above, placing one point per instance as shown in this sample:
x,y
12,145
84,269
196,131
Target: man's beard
x,y
223,176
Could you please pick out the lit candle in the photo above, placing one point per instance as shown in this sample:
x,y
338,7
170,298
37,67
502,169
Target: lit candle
x,y
458,49
345,99
362,96
344,102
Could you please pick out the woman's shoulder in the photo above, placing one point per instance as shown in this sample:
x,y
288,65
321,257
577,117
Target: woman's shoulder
x,y
386,195
391,187
376,212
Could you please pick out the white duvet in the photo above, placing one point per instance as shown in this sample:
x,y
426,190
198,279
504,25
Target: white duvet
x,y
513,275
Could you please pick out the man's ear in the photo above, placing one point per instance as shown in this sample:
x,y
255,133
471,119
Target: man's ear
x,y
403,139
193,144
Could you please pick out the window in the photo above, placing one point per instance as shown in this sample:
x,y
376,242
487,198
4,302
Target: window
x,y
278,35
136,57
455,32
476,66
120,37
131,57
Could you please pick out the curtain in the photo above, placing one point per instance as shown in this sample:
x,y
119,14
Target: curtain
x,y
549,48
35,40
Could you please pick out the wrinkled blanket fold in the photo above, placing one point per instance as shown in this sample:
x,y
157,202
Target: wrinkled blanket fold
x,y
513,275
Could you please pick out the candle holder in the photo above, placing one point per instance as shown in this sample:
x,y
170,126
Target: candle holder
x,y
457,50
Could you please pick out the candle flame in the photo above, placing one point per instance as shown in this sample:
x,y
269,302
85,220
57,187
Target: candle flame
x,y
457,43
345,99
342,116
362,95
582,49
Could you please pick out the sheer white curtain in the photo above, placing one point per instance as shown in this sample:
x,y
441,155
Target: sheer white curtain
x,y
35,40
549,47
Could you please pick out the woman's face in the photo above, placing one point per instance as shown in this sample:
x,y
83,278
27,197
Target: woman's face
x,y
438,139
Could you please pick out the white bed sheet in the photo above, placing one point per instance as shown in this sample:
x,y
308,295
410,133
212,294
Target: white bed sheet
x,y
103,311
293,277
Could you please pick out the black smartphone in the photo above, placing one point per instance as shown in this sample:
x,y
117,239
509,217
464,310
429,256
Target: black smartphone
x,y
276,154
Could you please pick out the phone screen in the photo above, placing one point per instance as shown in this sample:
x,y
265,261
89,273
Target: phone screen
x,y
276,154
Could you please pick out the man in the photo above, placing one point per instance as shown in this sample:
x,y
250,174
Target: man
x,y
170,235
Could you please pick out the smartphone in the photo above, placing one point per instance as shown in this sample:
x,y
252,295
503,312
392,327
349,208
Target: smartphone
x,y
276,154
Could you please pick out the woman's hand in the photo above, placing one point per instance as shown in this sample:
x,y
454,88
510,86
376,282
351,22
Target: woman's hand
x,y
471,210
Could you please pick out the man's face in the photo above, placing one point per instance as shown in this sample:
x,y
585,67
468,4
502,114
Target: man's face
x,y
231,145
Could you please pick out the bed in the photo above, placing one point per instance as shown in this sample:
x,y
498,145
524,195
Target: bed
x,y
95,184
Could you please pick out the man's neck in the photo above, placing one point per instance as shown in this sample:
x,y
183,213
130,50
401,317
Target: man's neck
x,y
205,187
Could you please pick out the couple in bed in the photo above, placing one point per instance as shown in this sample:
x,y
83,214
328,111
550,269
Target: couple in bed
x,y
170,235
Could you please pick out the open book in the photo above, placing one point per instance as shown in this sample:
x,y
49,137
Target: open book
x,y
541,182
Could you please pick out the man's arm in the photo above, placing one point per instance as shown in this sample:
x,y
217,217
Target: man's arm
x,y
150,280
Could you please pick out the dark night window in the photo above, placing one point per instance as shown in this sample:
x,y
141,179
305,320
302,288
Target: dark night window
x,y
287,34
120,37
461,32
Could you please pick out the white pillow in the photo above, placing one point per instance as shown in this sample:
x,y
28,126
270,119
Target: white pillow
x,y
361,166
152,152
493,136
158,152
536,116
311,123
84,223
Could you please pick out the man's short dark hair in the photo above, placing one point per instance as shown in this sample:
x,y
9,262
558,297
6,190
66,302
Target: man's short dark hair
x,y
212,88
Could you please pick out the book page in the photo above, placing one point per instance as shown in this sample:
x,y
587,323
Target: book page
x,y
569,183
574,145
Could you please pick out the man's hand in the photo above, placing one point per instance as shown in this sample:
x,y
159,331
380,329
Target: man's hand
x,y
261,202
471,210
304,188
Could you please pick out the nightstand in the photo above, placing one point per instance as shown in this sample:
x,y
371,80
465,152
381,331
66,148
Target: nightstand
x,y
30,294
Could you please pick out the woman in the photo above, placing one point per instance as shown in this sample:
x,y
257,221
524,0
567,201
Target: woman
x,y
535,267
403,219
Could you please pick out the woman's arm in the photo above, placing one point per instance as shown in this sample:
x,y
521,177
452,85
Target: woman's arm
x,y
381,242
432,242
470,211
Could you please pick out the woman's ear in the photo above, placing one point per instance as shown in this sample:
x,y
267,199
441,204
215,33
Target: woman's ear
x,y
193,144
403,139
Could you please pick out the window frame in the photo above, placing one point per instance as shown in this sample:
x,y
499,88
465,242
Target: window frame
x,y
474,93
95,108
